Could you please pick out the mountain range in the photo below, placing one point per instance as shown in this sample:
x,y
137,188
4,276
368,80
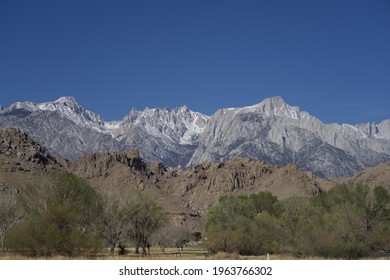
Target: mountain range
x,y
271,131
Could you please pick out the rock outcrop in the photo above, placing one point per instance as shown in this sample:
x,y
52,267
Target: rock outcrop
x,y
18,152
22,159
189,193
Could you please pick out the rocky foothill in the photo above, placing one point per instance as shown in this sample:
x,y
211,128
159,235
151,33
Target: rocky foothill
x,y
21,159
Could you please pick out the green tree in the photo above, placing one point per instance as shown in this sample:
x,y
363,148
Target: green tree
x,y
377,208
344,222
76,194
55,232
264,201
379,240
292,208
231,224
34,197
310,236
266,234
223,222
347,232
196,236
61,220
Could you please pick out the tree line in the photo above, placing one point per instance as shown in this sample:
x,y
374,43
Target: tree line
x,y
348,221
60,214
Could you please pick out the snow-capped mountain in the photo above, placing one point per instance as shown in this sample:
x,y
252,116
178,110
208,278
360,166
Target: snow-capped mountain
x,y
68,107
279,133
162,134
271,130
179,125
69,130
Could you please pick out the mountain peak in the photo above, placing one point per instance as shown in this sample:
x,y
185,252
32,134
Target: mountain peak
x,y
183,108
275,100
69,101
276,106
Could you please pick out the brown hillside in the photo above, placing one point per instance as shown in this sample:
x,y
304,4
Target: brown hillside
x,y
189,193
372,177
21,159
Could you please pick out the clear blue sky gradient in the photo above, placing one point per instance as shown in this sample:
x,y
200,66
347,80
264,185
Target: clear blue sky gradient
x,y
329,57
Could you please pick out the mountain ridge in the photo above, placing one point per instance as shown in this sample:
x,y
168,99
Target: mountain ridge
x,y
271,130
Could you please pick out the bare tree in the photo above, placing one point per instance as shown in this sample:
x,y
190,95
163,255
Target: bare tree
x,y
171,236
114,219
146,217
9,216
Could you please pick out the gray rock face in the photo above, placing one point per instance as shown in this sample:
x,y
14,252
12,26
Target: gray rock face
x,y
70,131
60,135
161,134
272,131
278,133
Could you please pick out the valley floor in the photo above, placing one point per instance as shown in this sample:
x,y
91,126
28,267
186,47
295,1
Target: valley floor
x,y
189,253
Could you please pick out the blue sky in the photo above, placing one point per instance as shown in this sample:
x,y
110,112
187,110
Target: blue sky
x,y
330,58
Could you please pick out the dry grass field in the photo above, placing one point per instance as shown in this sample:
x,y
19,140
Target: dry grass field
x,y
189,253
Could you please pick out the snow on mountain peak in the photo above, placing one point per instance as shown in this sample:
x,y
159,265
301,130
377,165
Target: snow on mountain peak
x,y
68,107
276,106
276,101
69,101
179,124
